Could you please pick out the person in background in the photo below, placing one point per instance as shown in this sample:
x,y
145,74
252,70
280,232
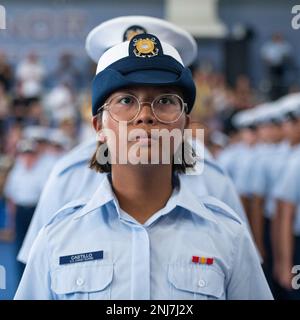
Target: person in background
x,y
265,177
59,143
67,72
276,55
45,138
23,188
60,103
245,155
30,74
286,229
6,227
35,115
4,114
6,73
228,156
13,135
218,141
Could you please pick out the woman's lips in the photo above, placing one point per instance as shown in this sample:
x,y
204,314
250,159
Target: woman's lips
x,y
144,140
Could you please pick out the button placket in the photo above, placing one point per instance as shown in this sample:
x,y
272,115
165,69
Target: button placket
x,y
140,264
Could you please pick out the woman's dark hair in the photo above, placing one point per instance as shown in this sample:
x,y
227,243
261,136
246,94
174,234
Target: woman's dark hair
x,y
186,157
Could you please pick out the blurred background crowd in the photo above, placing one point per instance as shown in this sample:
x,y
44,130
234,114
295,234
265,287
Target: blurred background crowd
x,y
45,107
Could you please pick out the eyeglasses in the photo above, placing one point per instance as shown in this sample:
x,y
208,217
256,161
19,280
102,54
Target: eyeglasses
x,y
167,108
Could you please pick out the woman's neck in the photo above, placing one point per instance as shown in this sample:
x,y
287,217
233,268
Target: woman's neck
x,y
142,190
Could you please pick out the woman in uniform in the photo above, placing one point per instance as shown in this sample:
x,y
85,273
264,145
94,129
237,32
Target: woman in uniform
x,y
143,234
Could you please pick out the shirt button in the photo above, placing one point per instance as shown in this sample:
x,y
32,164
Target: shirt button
x,y
201,283
79,281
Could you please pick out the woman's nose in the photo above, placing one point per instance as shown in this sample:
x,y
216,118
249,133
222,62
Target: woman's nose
x,y
145,115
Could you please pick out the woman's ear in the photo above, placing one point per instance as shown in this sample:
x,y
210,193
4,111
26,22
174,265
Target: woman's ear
x,y
97,125
96,121
187,121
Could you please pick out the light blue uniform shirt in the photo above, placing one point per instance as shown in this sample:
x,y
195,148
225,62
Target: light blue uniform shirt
x,y
266,175
243,167
71,179
289,187
97,251
24,185
246,166
228,159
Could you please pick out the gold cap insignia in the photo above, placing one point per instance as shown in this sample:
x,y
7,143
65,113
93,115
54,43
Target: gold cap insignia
x,y
145,47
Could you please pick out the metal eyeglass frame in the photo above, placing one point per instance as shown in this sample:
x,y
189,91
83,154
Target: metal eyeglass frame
x,y
184,107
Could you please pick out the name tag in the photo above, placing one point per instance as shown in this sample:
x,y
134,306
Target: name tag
x,y
81,257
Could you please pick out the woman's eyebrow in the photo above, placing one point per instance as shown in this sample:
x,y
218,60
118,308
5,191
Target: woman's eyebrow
x,y
133,93
119,93
128,91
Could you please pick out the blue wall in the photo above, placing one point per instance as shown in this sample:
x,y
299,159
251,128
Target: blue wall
x,y
51,27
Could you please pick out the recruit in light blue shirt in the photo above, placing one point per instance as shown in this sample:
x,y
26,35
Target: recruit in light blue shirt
x,y
266,175
71,179
97,251
24,185
289,187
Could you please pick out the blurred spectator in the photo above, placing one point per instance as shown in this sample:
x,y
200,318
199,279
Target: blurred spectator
x,y
218,141
244,95
59,142
23,187
30,75
43,138
35,115
5,217
59,102
219,92
68,127
276,55
18,110
66,72
86,130
6,74
4,113
14,134
4,102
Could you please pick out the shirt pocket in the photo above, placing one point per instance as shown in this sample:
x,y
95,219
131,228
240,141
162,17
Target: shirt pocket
x,y
83,282
195,282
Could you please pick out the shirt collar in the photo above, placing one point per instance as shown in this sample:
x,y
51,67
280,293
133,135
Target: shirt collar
x,y
187,199
103,195
182,196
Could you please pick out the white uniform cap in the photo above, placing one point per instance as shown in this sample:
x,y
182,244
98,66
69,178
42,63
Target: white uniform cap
x,y
26,145
35,133
58,137
110,33
121,51
244,119
219,138
266,113
289,102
